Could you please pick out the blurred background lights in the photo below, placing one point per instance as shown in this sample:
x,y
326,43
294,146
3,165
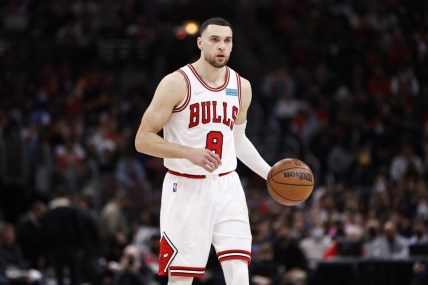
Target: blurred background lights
x,y
180,33
191,28
188,28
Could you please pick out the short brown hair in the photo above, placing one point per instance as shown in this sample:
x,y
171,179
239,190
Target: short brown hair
x,y
214,21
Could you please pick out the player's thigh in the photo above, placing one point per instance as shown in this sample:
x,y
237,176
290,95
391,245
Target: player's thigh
x,y
231,232
186,222
232,235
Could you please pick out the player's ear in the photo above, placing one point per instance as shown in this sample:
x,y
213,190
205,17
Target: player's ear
x,y
199,42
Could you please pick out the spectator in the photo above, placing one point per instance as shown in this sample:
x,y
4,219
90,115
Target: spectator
x,y
151,260
149,226
340,159
131,176
405,161
17,270
114,227
405,83
70,157
263,269
420,273
350,245
389,245
274,84
372,230
90,236
314,246
3,279
288,253
419,233
422,209
64,232
128,271
29,234
286,109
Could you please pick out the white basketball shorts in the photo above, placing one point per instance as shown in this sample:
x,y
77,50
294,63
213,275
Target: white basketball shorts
x,y
196,212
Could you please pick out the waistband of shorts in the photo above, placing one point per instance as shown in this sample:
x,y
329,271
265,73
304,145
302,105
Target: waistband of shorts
x,y
198,176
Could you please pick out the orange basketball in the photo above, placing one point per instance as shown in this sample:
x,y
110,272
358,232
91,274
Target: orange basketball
x,y
290,182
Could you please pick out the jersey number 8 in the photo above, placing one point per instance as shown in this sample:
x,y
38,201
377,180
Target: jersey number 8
x,y
215,142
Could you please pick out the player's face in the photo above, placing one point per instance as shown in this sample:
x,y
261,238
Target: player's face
x,y
216,45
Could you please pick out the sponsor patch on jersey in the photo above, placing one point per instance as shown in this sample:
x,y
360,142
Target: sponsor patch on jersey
x,y
174,187
231,92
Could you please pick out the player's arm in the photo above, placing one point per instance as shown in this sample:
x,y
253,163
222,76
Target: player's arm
x,y
245,150
170,92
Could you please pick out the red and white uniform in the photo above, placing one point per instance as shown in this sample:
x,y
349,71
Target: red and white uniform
x,y
205,120
201,208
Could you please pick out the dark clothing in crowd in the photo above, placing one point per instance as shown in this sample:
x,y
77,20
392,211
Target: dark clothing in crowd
x,y
29,237
11,256
63,232
289,254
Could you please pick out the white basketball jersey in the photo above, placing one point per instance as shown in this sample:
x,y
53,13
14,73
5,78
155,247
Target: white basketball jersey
x,y
205,119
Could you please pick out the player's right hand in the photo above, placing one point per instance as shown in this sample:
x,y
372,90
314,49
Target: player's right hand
x,y
204,158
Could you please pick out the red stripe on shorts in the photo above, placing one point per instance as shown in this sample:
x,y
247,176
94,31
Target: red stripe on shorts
x,y
234,254
184,271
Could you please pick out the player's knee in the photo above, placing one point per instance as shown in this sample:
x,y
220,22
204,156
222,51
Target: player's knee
x,y
235,272
178,280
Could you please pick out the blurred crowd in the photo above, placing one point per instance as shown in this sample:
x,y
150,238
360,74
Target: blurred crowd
x,y
339,84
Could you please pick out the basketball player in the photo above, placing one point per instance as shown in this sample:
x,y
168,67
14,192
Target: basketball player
x,y
202,108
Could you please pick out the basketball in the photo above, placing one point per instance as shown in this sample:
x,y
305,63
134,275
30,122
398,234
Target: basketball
x,y
290,182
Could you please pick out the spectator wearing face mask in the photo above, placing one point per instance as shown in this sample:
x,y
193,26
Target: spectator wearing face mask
x,y
419,233
372,230
390,244
422,209
349,245
314,246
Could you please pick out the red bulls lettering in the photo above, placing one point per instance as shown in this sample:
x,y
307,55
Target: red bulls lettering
x,y
216,119
194,115
226,120
207,112
234,115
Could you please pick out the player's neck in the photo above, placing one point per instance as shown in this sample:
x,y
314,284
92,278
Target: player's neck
x,y
212,75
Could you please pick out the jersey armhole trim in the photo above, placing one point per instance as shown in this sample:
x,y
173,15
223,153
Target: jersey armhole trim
x,y
186,101
238,83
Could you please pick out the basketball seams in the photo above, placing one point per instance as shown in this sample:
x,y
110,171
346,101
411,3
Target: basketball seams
x,y
292,184
288,199
292,190
292,174
271,188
